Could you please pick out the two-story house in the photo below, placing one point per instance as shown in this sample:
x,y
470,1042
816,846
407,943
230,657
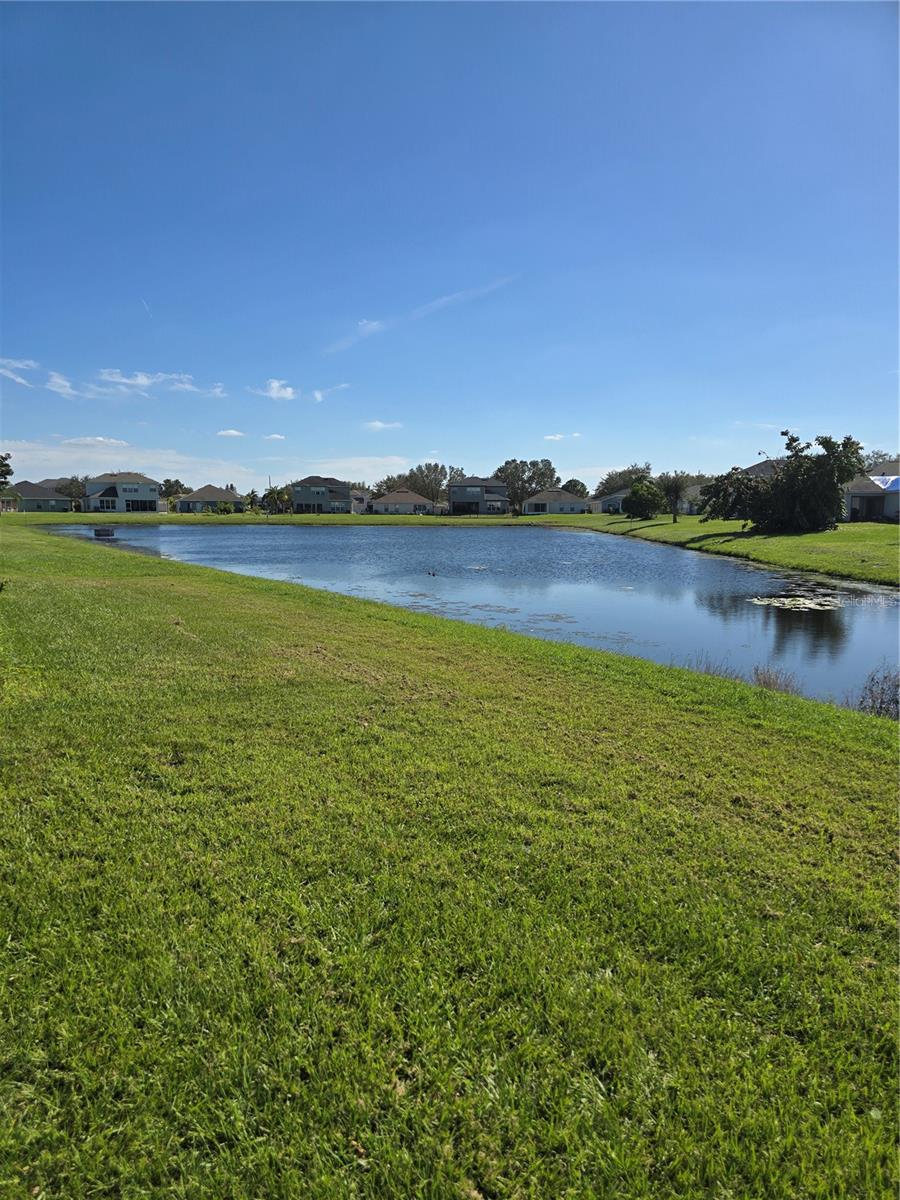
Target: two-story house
x,y
122,492
321,494
474,497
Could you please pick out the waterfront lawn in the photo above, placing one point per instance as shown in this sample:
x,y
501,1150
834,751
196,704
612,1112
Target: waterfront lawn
x,y
866,550
304,896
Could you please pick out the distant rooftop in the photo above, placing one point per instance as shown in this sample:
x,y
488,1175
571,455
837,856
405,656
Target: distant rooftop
x,y
123,477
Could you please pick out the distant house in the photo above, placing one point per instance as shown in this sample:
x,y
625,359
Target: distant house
x,y
689,505
403,501
321,494
32,497
360,499
208,499
474,497
554,500
611,503
765,468
876,496
122,492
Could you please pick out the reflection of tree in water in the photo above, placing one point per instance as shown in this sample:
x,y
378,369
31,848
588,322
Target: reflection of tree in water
x,y
820,630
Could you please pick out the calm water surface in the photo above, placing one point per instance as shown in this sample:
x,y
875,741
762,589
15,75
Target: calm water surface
x,y
611,593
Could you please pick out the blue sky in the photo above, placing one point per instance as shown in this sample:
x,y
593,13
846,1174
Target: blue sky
x,y
252,240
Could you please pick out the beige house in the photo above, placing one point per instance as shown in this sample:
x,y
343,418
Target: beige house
x,y
554,500
403,502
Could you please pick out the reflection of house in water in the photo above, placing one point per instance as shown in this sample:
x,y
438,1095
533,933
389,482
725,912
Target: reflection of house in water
x,y
818,630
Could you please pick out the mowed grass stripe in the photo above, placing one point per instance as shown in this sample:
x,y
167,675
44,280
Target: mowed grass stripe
x,y
308,896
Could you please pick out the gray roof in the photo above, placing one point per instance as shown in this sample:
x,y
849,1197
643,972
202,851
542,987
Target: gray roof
x,y
402,496
210,492
27,490
766,467
123,477
613,495
475,481
320,481
555,494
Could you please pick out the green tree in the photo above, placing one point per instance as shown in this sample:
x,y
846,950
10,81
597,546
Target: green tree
x,y
390,483
624,477
576,487
278,499
428,479
524,478
73,487
455,474
174,487
6,470
805,494
874,458
673,485
644,500
252,498
224,508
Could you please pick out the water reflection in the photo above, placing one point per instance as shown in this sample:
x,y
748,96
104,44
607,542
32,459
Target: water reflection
x,y
816,631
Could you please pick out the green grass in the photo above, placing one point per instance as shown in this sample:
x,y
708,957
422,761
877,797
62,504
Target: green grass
x,y
866,551
304,896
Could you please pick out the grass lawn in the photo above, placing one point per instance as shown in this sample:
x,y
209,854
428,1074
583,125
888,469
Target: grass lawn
x,y
304,896
865,551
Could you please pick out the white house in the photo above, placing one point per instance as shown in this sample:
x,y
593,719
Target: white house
x,y
876,496
403,501
122,492
554,500
611,503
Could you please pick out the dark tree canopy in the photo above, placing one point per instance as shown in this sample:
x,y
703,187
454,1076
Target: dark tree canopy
x,y
524,478
73,487
614,481
576,487
428,479
644,500
804,494
6,470
174,487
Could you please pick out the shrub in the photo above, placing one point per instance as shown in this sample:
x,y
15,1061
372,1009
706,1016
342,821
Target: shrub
x,y
880,695
776,680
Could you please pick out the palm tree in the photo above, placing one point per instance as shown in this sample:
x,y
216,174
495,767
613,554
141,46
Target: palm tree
x,y
673,485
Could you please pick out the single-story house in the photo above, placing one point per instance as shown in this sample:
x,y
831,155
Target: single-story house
x,y
321,494
876,496
32,497
554,500
689,505
208,499
611,503
403,501
122,491
474,497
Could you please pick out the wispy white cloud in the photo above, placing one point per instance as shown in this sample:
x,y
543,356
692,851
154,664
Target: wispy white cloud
x,y
559,437
93,441
462,297
273,437
365,328
62,386
229,433
140,381
275,389
146,307
378,426
319,394
9,368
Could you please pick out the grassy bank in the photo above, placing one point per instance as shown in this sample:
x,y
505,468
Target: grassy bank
x,y
304,896
866,551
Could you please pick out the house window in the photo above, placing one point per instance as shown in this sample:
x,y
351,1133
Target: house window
x,y
107,505
539,507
